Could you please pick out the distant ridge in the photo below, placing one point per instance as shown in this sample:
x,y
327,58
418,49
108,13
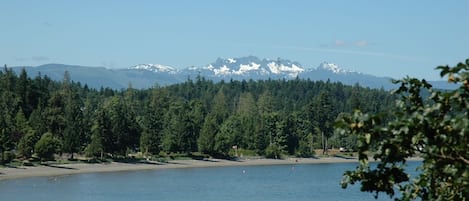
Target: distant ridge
x,y
240,68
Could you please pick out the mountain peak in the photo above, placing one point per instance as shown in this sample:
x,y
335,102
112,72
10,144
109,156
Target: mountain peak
x,y
251,65
241,68
155,68
333,68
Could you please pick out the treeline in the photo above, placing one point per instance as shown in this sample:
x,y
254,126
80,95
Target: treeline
x,y
41,117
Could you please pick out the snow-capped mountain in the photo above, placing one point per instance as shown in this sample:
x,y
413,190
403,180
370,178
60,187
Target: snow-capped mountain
x,y
155,68
245,68
334,68
241,68
250,66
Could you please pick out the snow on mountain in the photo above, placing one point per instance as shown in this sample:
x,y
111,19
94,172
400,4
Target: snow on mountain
x,y
242,68
333,68
223,70
291,69
231,60
252,66
246,67
155,68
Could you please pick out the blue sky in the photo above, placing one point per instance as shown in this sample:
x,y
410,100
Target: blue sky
x,y
384,38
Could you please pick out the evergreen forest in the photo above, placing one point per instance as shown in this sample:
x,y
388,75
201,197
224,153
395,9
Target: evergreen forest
x,y
42,118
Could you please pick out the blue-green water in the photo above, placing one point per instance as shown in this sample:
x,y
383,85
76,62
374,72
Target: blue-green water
x,y
279,182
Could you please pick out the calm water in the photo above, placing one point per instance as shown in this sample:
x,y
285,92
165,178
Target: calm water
x,y
280,182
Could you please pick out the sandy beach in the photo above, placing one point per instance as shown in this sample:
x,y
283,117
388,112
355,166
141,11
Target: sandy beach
x,y
80,168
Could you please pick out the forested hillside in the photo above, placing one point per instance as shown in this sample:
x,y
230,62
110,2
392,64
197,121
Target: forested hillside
x,y
41,117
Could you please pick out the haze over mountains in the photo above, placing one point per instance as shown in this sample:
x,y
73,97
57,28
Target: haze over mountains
x,y
242,68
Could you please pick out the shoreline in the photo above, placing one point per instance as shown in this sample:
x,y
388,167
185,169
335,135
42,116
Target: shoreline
x,y
9,173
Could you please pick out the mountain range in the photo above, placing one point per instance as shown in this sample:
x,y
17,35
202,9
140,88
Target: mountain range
x,y
242,68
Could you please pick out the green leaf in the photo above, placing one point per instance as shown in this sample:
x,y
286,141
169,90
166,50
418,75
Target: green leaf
x,y
367,138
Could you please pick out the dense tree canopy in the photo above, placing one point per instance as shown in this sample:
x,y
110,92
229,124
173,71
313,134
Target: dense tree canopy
x,y
431,123
269,117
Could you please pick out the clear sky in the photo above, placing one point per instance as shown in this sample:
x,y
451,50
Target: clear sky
x,y
384,38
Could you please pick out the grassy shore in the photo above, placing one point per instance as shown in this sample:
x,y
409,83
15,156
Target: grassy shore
x,y
80,168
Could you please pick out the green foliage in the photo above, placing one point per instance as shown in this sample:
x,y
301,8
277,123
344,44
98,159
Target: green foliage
x,y
323,114
274,151
248,115
73,134
305,149
434,127
182,118
54,114
181,133
47,146
233,129
206,142
95,148
222,144
9,156
37,121
118,126
26,145
100,129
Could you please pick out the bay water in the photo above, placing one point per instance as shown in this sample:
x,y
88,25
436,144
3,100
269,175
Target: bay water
x,y
248,183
